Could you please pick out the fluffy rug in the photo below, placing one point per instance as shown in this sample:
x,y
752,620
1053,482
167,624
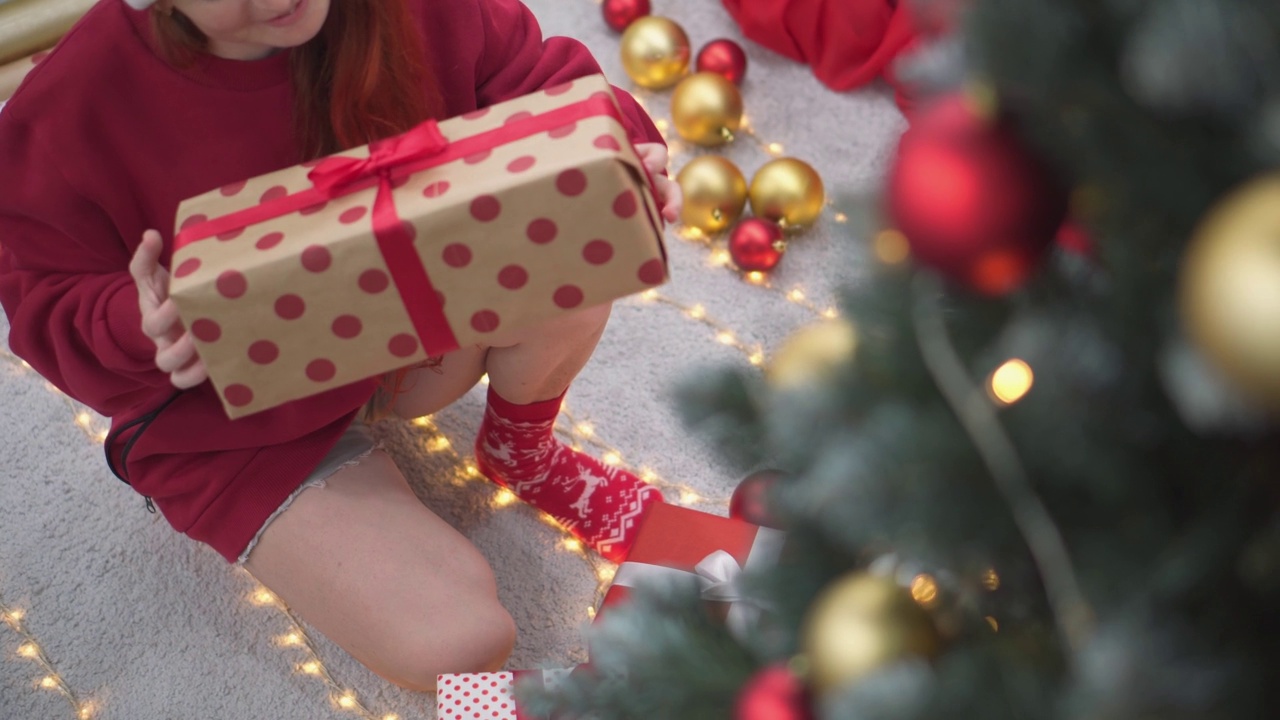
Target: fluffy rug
x,y
107,607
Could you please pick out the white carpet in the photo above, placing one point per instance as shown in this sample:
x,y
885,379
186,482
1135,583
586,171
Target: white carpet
x,y
145,624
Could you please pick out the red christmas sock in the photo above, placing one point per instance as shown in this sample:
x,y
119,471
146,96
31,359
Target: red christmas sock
x,y
599,504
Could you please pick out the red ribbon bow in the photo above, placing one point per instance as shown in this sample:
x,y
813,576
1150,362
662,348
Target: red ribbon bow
x,y
421,142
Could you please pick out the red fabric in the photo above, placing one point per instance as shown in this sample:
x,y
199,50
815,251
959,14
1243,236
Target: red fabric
x,y
601,505
102,141
848,43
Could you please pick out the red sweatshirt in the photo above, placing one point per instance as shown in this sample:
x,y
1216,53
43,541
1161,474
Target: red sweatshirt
x,y
102,141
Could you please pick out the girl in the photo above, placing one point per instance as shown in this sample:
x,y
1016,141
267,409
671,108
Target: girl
x,y
140,107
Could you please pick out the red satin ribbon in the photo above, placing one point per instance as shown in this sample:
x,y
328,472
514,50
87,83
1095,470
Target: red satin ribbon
x,y
419,149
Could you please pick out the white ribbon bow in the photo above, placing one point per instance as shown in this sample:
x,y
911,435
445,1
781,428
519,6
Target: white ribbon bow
x,y
718,578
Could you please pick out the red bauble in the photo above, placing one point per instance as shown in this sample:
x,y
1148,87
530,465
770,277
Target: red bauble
x,y
621,13
774,693
756,245
750,501
724,57
1073,238
971,200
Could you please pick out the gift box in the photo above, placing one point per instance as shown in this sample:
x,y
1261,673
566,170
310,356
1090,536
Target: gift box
x,y
491,696
677,543
378,258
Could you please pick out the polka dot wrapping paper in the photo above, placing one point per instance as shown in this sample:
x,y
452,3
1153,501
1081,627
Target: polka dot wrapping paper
x,y
338,270
488,696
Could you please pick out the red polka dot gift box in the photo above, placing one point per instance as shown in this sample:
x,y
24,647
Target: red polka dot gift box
x,y
456,233
488,696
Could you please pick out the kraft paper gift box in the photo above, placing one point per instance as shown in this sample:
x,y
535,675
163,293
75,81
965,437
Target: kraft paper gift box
x,y
490,696
338,270
676,542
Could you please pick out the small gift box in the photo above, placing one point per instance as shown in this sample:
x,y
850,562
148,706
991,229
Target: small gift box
x,y
338,270
676,542
490,696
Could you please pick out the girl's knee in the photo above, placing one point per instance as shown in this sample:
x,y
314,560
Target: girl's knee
x,y
477,636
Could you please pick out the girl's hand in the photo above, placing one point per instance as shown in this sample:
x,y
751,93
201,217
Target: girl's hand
x,y
654,157
175,349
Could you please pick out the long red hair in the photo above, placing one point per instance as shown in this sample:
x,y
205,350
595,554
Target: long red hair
x,y
364,77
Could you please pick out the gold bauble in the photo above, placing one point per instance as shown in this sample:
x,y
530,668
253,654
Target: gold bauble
x,y
1230,289
706,109
715,192
862,623
655,52
812,354
789,192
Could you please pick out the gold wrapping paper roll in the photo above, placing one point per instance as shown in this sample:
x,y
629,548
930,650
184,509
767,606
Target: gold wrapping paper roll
x,y
27,26
11,75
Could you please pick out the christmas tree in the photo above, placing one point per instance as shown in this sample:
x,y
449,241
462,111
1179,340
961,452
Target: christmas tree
x,y
1032,470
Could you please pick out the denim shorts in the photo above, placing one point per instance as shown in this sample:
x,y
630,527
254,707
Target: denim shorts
x,y
355,445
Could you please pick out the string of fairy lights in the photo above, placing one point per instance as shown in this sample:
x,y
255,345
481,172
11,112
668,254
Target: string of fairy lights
x,y
1009,383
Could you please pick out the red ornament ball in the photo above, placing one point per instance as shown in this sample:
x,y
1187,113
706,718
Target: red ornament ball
x,y
724,57
774,693
618,14
756,245
750,501
972,202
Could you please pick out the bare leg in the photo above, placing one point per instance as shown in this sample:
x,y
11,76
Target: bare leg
x,y
524,366
386,579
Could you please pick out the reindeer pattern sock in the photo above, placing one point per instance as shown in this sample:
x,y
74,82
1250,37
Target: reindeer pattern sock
x,y
599,504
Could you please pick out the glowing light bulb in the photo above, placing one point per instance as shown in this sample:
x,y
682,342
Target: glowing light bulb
x,y
724,337
263,597
48,682
28,650
503,498
755,277
648,475
347,701
841,217
720,258
831,313
311,667
649,295
291,639
1011,382
776,149
572,545
689,497
697,312
606,573
612,458
85,711
391,716
83,419
15,615
991,580
439,444
891,247
757,357
796,295
472,470
484,379
925,590
586,429
423,421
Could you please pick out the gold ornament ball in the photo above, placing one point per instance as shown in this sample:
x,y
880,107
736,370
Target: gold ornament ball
x,y
655,52
706,109
715,193
812,354
1229,288
789,192
861,623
